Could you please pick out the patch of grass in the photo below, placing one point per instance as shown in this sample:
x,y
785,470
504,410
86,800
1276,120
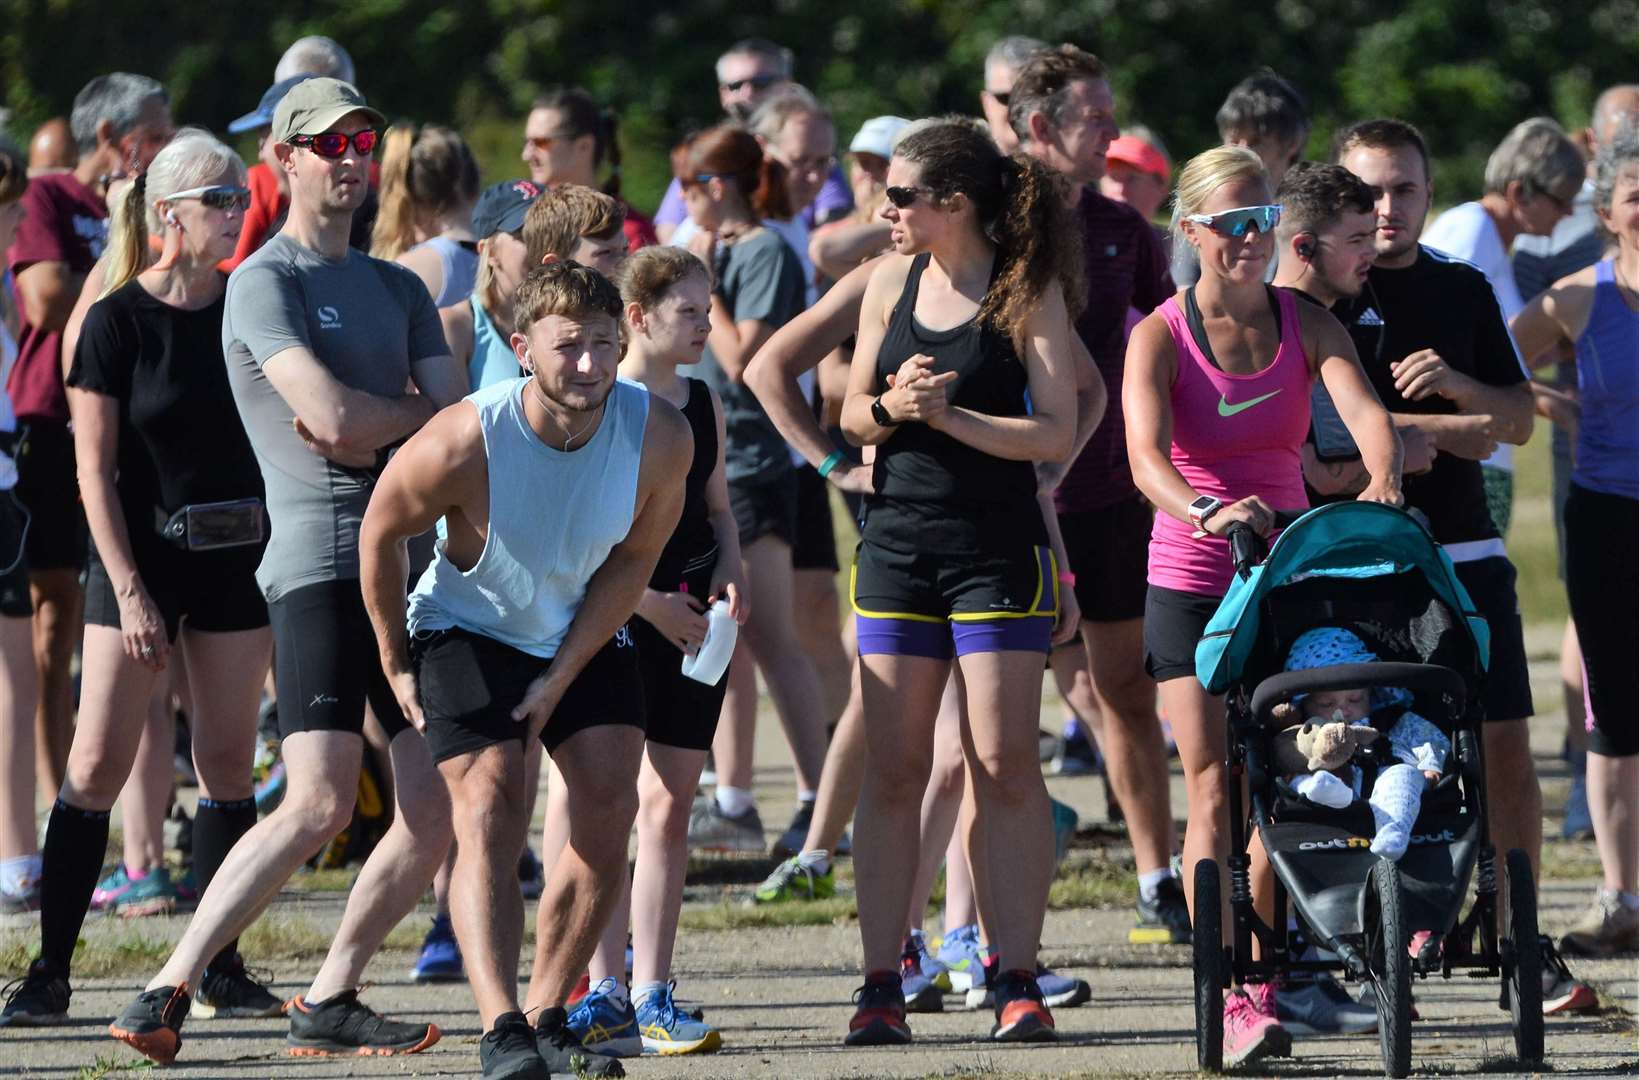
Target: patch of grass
x,y
795,913
1569,860
1531,542
282,936
337,880
1092,879
126,950
107,1066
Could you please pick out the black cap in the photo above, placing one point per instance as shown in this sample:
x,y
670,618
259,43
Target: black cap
x,y
501,208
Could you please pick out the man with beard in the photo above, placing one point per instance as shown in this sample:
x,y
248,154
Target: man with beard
x,y
321,342
518,631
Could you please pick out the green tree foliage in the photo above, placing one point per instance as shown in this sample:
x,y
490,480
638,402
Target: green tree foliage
x,y
1464,70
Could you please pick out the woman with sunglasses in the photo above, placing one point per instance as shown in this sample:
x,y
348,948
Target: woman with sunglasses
x,y
962,378
172,495
567,138
1216,399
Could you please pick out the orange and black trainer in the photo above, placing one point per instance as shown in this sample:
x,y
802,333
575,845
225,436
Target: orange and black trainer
x,y
152,1024
880,1018
1021,1014
342,1024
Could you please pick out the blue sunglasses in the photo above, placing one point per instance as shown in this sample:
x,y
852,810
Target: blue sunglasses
x,y
1237,221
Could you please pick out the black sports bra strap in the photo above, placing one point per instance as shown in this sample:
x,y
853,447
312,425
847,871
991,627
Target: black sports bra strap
x,y
1197,324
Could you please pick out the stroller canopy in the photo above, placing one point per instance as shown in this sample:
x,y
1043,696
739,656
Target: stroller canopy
x,y
1356,540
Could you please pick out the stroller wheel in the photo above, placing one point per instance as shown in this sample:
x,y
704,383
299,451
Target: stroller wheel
x,y
1524,977
1391,967
1207,938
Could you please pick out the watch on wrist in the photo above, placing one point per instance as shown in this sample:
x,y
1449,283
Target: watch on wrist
x,y
1202,509
880,413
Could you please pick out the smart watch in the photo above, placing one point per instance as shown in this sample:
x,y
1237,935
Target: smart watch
x,y
880,413
1202,509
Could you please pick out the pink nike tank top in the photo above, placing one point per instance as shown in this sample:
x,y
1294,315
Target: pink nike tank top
x,y
1233,436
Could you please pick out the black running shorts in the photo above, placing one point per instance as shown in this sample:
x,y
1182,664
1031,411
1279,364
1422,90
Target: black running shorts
x,y
678,710
1490,584
815,547
1602,580
1174,621
48,486
1109,552
326,664
470,684
215,591
768,509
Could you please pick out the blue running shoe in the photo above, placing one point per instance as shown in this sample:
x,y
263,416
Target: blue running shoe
x,y
930,964
959,954
920,993
440,959
668,1030
606,1024
1061,991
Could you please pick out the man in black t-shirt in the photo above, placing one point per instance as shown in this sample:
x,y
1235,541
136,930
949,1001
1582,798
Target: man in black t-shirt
x,y
1432,339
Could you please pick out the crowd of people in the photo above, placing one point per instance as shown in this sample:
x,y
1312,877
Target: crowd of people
x,y
447,481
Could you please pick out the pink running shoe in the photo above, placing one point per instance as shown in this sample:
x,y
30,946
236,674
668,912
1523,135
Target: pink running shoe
x,y
1251,1031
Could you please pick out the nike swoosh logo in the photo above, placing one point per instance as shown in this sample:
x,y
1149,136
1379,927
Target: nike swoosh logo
x,y
1226,409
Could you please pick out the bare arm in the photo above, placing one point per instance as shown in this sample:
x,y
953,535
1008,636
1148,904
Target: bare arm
x,y
338,416
798,346
425,264
1146,403
436,472
1362,413
458,332
1048,433
90,289
1092,401
840,248
1504,411
733,344
1069,617
614,590
887,278
46,292
728,578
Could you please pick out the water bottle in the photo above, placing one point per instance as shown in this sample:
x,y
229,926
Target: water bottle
x,y
711,660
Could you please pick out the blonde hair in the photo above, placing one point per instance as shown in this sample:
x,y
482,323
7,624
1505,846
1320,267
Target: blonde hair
x,y
189,160
423,174
1207,172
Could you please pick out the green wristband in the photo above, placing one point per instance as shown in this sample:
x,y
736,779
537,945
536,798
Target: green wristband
x,y
827,466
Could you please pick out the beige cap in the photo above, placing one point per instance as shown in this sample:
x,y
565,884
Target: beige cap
x,y
312,106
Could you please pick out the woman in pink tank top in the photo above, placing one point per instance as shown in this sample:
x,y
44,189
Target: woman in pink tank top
x,y
1216,399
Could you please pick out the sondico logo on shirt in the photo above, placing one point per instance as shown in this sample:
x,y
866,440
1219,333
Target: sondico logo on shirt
x,y
329,318
1225,409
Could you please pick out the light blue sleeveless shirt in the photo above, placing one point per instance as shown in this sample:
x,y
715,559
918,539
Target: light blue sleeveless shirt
x,y
553,517
1607,379
492,360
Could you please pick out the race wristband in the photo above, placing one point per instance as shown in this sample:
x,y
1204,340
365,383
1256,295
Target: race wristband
x,y
828,466
1067,578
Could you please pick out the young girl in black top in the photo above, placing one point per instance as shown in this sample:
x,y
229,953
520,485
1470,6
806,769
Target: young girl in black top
x,y
668,305
156,433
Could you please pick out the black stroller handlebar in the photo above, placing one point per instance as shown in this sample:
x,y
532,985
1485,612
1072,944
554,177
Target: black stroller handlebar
x,y
1427,678
1246,548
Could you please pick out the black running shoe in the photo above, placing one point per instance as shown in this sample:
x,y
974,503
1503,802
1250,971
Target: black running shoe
x,y
152,1024
562,1050
508,1050
342,1024
1164,920
234,993
1021,1014
38,999
879,1019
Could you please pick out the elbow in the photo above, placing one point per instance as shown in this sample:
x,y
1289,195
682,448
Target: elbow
x,y
756,374
329,427
1060,443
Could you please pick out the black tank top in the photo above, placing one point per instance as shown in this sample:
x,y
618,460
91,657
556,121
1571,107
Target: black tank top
x,y
935,493
693,545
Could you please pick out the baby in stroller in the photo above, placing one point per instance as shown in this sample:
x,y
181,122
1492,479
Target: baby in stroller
x,y
1418,746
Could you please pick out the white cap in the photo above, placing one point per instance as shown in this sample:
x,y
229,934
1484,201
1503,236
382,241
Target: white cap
x,y
877,136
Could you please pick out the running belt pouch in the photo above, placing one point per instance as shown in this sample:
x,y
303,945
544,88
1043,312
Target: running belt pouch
x,y
208,526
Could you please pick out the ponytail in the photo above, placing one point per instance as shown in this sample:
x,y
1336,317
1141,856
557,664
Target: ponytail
x,y
731,151
767,192
1019,206
127,237
394,230
1036,245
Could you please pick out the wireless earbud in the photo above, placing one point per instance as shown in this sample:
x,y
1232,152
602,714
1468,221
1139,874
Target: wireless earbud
x,y
170,217
1305,249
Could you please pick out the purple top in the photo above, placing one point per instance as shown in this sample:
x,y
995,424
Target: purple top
x,y
1607,377
834,200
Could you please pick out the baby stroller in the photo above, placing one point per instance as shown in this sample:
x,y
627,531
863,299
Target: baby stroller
x,y
1375,571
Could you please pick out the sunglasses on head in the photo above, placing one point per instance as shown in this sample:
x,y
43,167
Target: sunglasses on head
x,y
215,197
756,82
1236,222
902,197
333,144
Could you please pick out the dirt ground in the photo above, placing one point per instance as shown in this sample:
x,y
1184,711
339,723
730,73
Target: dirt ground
x,y
780,995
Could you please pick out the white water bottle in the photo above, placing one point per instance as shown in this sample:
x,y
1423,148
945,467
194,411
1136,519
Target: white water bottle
x,y
711,660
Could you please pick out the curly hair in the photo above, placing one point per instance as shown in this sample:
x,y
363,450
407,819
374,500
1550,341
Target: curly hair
x,y
1020,208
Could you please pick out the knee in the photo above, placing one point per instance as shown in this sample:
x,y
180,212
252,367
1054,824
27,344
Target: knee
x,y
92,781
662,815
427,815
1007,773
224,771
898,778
315,816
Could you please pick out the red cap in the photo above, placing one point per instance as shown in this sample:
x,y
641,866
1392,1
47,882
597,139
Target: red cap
x,y
1140,155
